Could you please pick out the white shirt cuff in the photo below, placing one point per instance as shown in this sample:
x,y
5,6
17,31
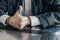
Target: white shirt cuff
x,y
3,18
34,21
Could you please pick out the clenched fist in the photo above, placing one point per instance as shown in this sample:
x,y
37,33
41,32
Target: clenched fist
x,y
18,21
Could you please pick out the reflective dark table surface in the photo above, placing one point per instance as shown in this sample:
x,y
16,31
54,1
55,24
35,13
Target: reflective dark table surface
x,y
9,33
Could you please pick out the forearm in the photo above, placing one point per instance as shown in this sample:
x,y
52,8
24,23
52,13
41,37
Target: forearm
x,y
45,20
3,11
49,19
34,21
3,19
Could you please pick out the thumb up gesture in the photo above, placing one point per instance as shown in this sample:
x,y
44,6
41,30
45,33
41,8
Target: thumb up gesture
x,y
18,21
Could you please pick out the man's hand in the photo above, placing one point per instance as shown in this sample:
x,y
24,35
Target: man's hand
x,y
18,21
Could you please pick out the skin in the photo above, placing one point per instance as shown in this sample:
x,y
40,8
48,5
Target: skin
x,y
18,21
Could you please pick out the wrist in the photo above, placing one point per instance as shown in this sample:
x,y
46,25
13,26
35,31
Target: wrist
x,y
29,21
7,21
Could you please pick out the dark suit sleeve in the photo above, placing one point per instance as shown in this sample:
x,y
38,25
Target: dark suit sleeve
x,y
49,19
3,7
3,11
